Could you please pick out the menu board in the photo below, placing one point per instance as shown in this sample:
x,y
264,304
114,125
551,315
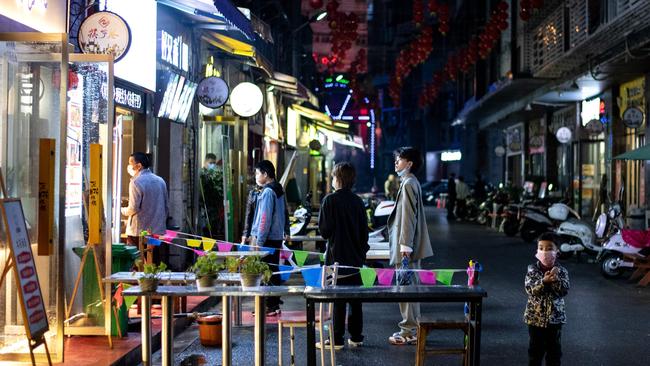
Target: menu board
x,y
29,289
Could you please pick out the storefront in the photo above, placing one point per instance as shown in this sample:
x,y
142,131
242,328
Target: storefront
x,y
563,131
536,149
515,136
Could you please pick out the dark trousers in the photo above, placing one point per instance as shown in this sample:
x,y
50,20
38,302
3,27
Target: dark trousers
x,y
545,341
451,204
273,302
355,315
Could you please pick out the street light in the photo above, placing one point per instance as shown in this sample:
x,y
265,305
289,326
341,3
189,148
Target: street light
x,y
294,54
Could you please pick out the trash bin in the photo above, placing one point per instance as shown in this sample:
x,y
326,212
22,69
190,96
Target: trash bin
x,y
123,258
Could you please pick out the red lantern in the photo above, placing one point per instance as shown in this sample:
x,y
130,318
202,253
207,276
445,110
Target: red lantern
x,y
316,4
503,6
332,6
524,15
443,28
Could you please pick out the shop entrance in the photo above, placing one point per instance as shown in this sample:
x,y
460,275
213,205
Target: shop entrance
x,y
591,167
515,170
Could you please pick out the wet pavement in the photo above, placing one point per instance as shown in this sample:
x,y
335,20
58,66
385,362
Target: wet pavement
x,y
608,320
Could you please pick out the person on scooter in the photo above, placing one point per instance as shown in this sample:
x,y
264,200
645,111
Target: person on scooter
x,y
546,284
342,221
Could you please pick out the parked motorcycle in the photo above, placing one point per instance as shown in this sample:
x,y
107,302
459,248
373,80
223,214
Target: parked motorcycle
x,y
575,234
301,217
499,197
619,245
378,230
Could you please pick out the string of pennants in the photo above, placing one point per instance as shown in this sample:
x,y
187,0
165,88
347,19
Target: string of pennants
x,y
312,274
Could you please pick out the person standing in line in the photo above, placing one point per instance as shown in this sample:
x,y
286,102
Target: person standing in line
x,y
269,223
390,187
342,221
408,236
147,209
451,196
546,284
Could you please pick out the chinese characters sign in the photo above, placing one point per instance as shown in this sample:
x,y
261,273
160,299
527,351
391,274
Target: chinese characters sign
x,y
29,289
105,33
95,196
46,196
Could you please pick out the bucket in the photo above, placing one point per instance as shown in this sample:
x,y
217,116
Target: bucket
x,y
210,330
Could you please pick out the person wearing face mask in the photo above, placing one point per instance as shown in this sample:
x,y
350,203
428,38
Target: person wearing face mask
x,y
408,236
342,221
211,219
147,209
546,283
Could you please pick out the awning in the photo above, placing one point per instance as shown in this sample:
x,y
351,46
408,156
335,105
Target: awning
x,y
217,12
321,119
238,48
340,138
642,153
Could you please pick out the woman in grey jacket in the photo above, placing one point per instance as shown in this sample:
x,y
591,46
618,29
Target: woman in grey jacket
x,y
408,235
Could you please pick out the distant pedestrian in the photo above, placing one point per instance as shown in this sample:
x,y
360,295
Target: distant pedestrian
x,y
391,186
269,223
546,283
479,189
342,221
451,196
251,204
408,237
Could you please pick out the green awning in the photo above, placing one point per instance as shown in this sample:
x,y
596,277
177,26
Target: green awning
x,y
642,153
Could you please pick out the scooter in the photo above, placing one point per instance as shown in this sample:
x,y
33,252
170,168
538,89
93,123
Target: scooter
x,y
576,235
301,217
617,253
379,231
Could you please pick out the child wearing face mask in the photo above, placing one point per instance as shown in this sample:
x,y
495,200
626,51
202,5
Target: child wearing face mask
x,y
546,283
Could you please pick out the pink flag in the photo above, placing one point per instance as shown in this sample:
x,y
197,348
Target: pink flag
x,y
199,252
385,276
224,247
171,234
285,254
428,277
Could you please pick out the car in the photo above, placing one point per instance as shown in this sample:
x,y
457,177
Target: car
x,y
432,190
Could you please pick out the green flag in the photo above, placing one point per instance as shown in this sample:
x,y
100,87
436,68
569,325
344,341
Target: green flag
x,y
322,257
368,276
444,276
301,257
129,300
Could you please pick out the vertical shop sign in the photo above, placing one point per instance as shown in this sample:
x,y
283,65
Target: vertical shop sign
x,y
515,136
536,133
46,196
29,289
632,103
95,195
74,168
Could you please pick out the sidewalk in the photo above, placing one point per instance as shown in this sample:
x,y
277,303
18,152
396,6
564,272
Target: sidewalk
x,y
126,351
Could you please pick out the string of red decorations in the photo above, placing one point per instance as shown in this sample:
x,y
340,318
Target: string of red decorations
x,y
467,56
343,30
527,6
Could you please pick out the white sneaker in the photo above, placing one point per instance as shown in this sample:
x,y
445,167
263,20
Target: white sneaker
x,y
337,347
354,344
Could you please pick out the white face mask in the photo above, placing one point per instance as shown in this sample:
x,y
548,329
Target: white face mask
x,y
212,166
402,172
130,170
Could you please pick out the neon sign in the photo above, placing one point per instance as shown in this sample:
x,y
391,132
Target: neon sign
x,y
174,51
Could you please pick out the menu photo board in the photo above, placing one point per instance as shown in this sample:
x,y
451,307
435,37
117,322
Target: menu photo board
x,y
29,289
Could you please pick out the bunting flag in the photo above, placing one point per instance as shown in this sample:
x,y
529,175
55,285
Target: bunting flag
x,y
287,269
301,257
285,254
368,276
444,276
244,248
152,241
129,300
312,276
118,297
385,276
224,247
193,243
321,257
200,253
268,249
428,277
171,234
208,244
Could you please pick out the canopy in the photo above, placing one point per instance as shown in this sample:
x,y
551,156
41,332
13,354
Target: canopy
x,y
642,153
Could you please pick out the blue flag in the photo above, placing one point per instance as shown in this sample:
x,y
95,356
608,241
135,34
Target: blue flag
x,y
312,276
285,276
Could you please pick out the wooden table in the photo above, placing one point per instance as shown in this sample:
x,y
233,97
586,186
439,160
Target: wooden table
x,y
462,294
226,292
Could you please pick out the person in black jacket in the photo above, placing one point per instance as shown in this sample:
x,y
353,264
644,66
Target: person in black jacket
x,y
343,223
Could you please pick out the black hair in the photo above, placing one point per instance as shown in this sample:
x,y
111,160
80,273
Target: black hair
x,y
548,237
345,173
410,154
267,167
210,156
142,158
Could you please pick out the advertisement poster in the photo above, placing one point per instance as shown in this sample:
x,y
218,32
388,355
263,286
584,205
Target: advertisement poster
x,y
74,168
515,139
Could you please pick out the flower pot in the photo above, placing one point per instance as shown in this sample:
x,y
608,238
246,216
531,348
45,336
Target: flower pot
x,y
206,281
148,284
250,281
210,330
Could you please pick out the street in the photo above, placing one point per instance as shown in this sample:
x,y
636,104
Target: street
x,y
607,319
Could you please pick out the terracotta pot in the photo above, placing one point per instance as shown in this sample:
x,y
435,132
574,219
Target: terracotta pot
x,y
210,330
148,284
250,280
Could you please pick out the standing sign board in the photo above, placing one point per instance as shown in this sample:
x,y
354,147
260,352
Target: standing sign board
x,y
29,289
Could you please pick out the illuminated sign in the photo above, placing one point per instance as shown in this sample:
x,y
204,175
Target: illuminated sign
x,y
590,110
246,99
564,135
48,16
177,98
126,97
105,33
174,51
451,155
212,92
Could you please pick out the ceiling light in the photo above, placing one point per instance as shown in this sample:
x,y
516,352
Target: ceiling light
x,y
339,77
321,16
270,88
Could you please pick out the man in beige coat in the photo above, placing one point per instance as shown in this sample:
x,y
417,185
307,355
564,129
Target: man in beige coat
x,y
408,236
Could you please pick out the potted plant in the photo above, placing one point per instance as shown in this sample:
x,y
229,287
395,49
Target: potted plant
x,y
207,268
149,280
251,269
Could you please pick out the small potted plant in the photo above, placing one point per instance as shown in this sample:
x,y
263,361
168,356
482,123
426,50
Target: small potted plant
x,y
207,268
251,269
149,280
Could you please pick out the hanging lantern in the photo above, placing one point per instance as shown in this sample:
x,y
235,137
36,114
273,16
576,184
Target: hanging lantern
x,y
316,4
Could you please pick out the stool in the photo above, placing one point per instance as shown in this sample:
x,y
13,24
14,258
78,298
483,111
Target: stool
x,y
425,326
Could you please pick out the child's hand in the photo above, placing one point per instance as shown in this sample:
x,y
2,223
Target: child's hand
x,y
549,277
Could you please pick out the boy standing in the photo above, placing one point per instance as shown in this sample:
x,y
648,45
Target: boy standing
x,y
547,282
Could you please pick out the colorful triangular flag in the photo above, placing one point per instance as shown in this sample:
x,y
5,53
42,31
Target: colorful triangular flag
x,y
368,276
301,257
312,276
152,241
287,269
427,277
444,276
193,243
119,298
321,256
129,300
224,247
208,244
385,276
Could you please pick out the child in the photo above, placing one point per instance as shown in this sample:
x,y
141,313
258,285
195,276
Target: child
x,y
547,282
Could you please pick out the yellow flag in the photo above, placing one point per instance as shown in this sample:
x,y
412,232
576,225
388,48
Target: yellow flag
x,y
194,243
208,244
